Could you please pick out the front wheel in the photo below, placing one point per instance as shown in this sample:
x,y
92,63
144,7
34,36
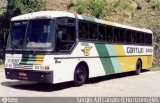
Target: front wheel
x,y
80,75
138,67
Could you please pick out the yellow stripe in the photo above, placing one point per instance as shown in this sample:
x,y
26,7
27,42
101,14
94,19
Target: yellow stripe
x,y
39,56
109,23
39,59
38,62
120,51
126,63
147,61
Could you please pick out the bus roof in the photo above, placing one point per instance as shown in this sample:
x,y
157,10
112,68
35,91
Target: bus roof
x,y
55,14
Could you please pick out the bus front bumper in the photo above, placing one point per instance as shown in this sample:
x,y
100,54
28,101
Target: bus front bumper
x,y
29,75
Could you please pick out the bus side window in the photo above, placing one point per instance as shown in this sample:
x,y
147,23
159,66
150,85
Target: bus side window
x,y
122,35
149,39
142,38
145,38
71,30
92,31
101,32
116,35
130,37
109,33
83,30
135,37
138,34
65,33
62,32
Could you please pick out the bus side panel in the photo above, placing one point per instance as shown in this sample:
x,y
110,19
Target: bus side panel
x,y
92,59
147,62
102,59
114,59
94,62
64,70
128,62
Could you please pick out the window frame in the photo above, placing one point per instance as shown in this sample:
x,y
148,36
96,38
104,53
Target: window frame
x,y
56,34
121,31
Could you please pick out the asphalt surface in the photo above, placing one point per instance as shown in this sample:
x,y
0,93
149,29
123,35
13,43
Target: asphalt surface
x,y
125,84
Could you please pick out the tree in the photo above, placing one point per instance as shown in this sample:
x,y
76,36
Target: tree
x,y
14,8
25,6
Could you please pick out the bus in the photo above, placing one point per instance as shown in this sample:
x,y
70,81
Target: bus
x,y
58,46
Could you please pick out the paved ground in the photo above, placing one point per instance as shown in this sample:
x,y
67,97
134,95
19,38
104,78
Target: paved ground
x,y
1,67
126,84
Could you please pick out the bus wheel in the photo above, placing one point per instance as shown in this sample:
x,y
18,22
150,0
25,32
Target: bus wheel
x,y
138,67
80,75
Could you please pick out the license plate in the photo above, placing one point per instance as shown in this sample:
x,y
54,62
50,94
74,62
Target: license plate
x,y
22,74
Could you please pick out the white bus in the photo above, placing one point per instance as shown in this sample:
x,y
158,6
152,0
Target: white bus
x,y
58,46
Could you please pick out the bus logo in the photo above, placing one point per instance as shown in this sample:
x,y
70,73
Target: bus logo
x,y
86,51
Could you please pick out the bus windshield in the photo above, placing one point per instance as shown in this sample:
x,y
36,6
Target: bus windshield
x,y
31,35
17,34
39,34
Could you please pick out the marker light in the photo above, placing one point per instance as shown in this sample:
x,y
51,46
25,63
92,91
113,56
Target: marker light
x,y
46,67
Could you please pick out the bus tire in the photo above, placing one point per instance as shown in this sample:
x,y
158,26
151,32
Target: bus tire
x,y
138,68
80,75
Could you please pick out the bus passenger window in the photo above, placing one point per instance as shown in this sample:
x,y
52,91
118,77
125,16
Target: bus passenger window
x,y
135,37
109,33
129,36
92,31
83,30
142,38
116,35
102,32
65,34
138,34
132,37
122,35
71,33
149,39
145,38
62,33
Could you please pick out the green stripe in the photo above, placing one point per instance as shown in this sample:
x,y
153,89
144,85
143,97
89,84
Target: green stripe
x,y
88,18
28,59
27,62
106,62
28,56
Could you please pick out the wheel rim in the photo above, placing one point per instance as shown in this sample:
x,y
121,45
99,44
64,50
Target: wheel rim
x,y
80,74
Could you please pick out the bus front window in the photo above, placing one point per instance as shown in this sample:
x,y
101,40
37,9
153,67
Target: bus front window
x,y
17,34
39,34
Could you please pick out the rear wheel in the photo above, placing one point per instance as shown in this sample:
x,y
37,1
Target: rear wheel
x,y
138,67
80,75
